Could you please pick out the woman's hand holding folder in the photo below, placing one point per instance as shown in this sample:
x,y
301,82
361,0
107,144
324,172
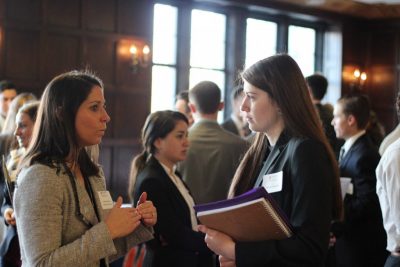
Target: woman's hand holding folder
x,y
220,243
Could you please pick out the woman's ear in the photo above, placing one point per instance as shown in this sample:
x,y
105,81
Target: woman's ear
x,y
158,144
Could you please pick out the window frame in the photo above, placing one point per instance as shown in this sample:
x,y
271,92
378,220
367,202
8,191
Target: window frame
x,y
235,50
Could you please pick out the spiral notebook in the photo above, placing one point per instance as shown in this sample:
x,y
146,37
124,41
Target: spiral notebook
x,y
252,216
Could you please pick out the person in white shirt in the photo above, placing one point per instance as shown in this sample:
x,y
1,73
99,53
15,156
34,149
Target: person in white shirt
x,y
389,139
388,190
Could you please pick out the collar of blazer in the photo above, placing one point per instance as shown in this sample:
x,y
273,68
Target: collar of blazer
x,y
272,155
363,138
156,166
153,161
204,123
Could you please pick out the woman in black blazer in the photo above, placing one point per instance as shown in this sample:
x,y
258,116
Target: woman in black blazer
x,y
177,241
291,145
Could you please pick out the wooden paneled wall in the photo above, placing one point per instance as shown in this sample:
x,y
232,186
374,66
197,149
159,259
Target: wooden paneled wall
x,y
40,39
374,47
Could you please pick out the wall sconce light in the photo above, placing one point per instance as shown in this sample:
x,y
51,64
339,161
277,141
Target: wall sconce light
x,y
354,78
140,58
359,78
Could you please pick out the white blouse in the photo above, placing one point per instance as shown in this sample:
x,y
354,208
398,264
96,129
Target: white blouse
x,y
184,192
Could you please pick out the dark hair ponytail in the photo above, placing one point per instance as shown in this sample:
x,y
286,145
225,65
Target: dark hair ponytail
x,y
137,165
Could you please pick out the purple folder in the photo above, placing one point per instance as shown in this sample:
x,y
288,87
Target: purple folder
x,y
254,194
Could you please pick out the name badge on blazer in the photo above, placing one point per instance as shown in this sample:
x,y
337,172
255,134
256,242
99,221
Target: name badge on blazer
x,y
273,182
105,200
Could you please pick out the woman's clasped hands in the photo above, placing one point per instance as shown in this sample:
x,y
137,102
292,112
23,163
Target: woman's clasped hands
x,y
147,210
123,221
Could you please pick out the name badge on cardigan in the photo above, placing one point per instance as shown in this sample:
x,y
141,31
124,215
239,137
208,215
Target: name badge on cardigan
x,y
105,200
273,182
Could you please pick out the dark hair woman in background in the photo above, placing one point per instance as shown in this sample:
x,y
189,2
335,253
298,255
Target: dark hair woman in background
x,y
177,241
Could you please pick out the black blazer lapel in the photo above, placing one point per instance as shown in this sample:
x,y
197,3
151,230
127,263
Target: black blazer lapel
x,y
353,149
272,157
170,184
281,144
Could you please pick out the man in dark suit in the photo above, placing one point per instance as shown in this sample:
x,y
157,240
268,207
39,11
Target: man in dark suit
x,y
362,240
317,87
235,123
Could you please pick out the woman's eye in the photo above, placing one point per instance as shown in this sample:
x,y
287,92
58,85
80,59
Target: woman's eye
x,y
182,136
94,108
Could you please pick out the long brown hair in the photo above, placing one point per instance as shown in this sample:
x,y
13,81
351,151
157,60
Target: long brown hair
x,y
54,135
281,78
158,125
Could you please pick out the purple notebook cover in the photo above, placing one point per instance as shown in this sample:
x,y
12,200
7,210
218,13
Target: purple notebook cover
x,y
250,195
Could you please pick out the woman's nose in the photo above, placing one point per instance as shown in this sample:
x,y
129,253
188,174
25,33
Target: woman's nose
x,y
244,106
186,141
17,131
106,118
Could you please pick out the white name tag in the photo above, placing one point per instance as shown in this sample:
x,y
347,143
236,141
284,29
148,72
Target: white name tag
x,y
273,182
105,200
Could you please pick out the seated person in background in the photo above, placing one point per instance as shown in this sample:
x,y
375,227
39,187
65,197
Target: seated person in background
x,y
177,241
289,142
363,239
64,214
25,119
236,123
182,105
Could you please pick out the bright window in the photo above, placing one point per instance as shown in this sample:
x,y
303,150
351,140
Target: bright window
x,y
207,43
302,48
164,57
207,50
163,87
260,40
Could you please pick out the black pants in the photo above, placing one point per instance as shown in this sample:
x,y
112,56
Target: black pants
x,y
13,256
